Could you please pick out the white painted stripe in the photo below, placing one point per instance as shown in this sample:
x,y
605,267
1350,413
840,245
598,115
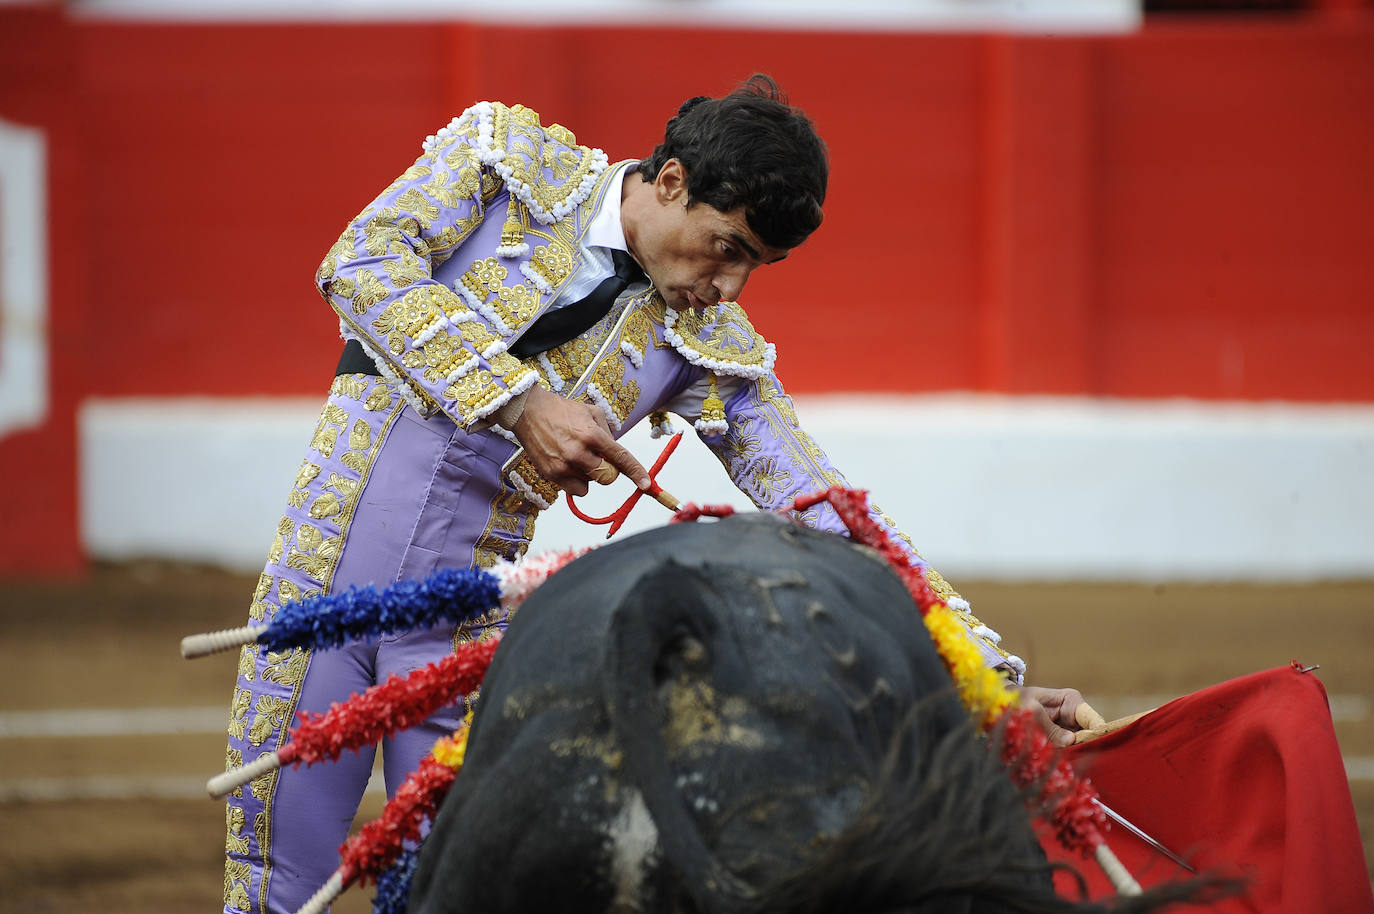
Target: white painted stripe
x,y
1019,488
23,278
1346,707
86,722
1359,767
1074,16
139,787
184,787
114,787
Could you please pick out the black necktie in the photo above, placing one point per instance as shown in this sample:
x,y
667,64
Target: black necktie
x,y
557,327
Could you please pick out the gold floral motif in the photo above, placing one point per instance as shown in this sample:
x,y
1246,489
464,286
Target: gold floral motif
x,y
491,186
722,333
272,712
261,788
351,386
572,358
238,712
314,554
421,209
287,591
340,252
739,445
236,841
285,528
767,480
371,291
453,189
342,287
355,461
561,162
286,667
378,400
383,238
639,329
406,269
609,377
326,505
248,654
236,876
359,437
510,514
347,488
306,474
325,437
233,759
410,227
461,155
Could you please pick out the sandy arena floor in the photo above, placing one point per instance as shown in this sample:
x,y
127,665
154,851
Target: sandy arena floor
x,y
109,823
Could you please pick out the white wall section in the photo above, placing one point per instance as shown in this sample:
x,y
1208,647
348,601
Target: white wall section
x,y
1058,16
23,278
988,487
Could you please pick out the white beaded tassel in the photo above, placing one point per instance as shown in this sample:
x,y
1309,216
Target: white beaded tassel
x,y
1120,877
214,642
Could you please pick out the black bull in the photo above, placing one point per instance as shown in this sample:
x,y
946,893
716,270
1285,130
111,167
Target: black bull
x,y
718,717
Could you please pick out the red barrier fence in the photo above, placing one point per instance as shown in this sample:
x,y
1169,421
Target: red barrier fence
x,y
1185,211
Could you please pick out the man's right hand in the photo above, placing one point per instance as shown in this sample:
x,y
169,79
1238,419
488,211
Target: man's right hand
x,y
567,440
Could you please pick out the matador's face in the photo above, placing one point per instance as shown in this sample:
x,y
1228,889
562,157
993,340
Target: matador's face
x,y
695,254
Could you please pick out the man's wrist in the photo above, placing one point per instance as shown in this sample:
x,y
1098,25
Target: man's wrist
x,y
511,411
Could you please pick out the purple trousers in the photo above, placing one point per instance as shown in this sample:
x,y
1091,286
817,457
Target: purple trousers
x,y
382,495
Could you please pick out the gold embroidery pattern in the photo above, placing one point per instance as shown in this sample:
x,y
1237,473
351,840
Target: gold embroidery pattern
x,y
235,820
261,722
406,269
509,529
238,713
236,876
553,263
722,338
609,387
528,152
370,291
546,490
767,481
639,329
571,359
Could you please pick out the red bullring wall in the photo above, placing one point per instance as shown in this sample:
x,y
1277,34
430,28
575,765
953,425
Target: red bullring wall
x,y
1185,211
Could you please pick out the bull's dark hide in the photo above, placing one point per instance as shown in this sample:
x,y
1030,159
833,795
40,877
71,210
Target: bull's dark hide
x,y
726,717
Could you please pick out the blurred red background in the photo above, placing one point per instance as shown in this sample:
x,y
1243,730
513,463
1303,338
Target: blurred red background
x,y
1182,211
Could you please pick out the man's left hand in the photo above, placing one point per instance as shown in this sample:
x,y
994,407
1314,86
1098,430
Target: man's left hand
x,y
1060,712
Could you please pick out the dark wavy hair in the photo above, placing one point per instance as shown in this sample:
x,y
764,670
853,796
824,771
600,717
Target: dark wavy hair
x,y
751,149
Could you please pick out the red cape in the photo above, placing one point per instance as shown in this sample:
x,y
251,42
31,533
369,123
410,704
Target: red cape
x,y
1244,778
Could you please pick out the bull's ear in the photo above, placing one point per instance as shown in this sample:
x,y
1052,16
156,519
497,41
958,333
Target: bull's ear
x,y
670,650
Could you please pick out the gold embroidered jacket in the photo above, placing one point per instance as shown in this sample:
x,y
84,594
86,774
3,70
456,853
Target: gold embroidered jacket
x,y
436,290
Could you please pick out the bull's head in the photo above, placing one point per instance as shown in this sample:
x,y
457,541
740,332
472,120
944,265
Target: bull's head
x,y
738,716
